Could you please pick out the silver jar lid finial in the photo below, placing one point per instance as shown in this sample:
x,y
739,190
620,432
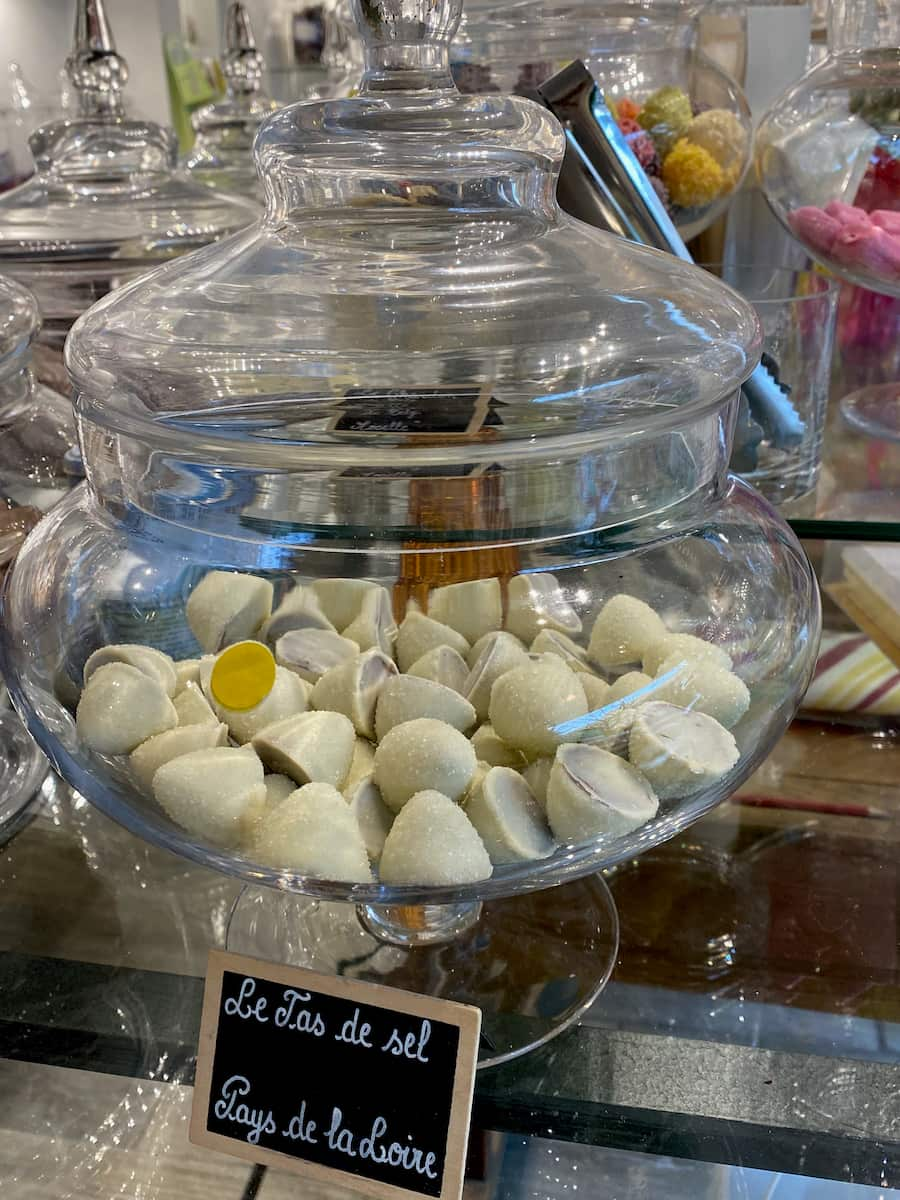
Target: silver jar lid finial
x,y
242,64
97,72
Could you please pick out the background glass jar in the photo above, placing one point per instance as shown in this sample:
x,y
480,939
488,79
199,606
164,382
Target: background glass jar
x,y
685,118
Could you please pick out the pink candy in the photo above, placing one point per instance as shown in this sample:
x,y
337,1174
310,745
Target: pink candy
x,y
889,221
867,242
847,213
871,249
815,227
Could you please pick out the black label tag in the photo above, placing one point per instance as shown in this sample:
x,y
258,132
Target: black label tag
x,y
338,1080
417,411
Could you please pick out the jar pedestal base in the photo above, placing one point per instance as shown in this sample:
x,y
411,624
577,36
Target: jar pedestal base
x,y
532,963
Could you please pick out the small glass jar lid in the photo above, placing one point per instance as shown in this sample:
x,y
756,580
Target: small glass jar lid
x,y
106,201
222,152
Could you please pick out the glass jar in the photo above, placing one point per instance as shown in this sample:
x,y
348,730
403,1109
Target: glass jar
x,y
106,202
37,430
686,119
474,453
221,153
828,151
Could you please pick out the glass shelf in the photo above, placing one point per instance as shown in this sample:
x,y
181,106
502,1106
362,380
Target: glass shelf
x,y
753,1018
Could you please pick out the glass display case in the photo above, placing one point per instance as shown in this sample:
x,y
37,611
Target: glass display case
x,y
222,151
472,563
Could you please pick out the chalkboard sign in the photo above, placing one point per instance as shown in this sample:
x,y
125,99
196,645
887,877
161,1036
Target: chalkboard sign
x,y
341,1081
444,411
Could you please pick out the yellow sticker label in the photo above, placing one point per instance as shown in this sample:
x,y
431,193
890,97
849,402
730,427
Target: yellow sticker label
x,y
243,675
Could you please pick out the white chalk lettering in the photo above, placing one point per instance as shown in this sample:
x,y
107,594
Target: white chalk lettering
x,y
300,1129
338,1138
300,1020
355,1033
395,1154
240,1006
230,1108
409,1045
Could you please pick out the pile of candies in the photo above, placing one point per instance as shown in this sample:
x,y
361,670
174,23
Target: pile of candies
x,y
865,236
692,158
324,738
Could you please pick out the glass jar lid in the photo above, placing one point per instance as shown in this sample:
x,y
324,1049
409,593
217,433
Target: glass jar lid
x,y
414,301
106,198
225,129
20,321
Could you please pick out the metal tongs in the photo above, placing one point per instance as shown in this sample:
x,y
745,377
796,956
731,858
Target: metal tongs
x,y
603,183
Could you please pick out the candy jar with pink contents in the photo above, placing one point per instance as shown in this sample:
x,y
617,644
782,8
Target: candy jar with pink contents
x,y
828,158
828,152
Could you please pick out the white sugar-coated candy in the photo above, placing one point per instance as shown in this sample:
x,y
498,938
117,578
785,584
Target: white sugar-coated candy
x,y
314,833
537,776
314,747
287,697
353,688
593,792
596,690
488,639
501,654
341,599
227,607
362,764
373,816
207,662
536,602
418,634
444,665
610,730
493,750
627,685
551,641
187,670
423,755
309,653
193,708
530,702
122,707
278,788
472,609
433,842
680,752
149,756
406,697
214,794
687,647
625,627
152,662
704,688
481,769
300,609
374,626
509,820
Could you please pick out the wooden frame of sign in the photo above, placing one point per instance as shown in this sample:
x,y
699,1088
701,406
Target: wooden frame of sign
x,y
277,1045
